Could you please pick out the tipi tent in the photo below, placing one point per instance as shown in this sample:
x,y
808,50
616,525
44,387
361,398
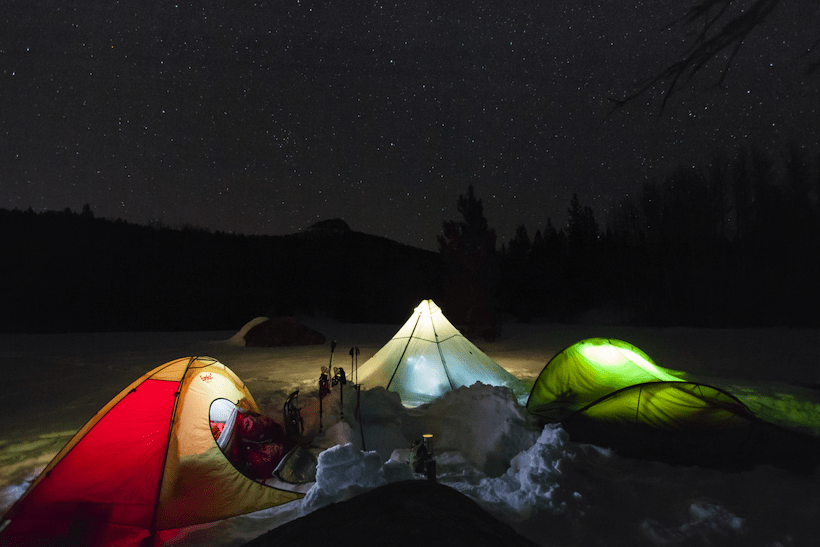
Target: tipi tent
x,y
144,466
427,357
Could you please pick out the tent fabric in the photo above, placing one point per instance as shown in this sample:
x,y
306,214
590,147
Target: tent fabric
x,y
144,466
684,408
588,371
615,381
610,393
427,357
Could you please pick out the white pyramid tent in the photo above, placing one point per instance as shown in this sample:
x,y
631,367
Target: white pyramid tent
x,y
427,357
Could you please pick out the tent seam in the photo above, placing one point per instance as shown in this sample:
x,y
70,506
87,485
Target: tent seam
x,y
751,417
438,347
153,530
398,363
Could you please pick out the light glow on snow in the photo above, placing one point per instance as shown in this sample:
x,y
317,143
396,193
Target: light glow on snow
x,y
550,489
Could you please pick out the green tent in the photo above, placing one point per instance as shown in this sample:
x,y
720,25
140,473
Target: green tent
x,y
589,371
610,393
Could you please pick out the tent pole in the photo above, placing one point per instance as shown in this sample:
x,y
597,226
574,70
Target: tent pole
x,y
326,378
440,353
403,351
352,367
359,414
356,369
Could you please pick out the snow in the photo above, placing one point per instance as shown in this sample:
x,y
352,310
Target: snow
x,y
343,471
550,489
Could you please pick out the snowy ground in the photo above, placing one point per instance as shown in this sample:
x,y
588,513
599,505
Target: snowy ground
x,y
550,489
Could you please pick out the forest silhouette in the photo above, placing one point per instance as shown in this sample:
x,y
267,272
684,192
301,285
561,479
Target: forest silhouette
x,y
734,243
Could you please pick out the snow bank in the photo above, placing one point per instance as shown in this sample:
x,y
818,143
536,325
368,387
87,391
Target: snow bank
x,y
538,478
343,472
552,490
558,492
480,427
485,424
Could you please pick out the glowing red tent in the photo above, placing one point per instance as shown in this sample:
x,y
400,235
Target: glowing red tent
x,y
144,466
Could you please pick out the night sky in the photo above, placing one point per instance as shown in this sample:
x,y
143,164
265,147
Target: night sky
x,y
266,117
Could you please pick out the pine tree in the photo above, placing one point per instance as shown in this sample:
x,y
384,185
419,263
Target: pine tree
x,y
468,249
582,228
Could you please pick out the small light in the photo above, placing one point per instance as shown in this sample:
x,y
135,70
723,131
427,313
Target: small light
x,y
428,442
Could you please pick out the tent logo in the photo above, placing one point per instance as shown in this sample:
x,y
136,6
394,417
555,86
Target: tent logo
x,y
206,377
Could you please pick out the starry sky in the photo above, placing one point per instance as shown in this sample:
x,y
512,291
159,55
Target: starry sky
x,y
266,117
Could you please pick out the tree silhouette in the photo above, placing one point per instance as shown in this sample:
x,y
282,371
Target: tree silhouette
x,y
584,261
519,276
467,247
720,28
582,228
733,243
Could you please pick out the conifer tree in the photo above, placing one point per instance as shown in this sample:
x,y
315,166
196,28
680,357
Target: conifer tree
x,y
468,249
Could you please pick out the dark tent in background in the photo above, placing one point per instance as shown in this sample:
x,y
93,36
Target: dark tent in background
x,y
263,332
610,393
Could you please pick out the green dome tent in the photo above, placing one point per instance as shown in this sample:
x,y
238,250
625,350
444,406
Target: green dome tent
x,y
588,371
610,393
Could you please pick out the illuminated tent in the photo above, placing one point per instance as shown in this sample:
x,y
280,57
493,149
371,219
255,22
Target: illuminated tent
x,y
589,371
610,393
427,357
144,466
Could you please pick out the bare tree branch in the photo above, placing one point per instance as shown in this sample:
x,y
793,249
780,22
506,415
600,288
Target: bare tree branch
x,y
724,26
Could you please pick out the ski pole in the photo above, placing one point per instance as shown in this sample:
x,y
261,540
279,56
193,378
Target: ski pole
x,y
326,379
356,369
321,396
359,414
332,348
358,396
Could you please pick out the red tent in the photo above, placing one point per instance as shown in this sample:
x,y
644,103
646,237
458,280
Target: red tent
x,y
144,466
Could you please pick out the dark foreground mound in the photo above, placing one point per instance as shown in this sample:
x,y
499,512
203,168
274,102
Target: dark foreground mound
x,y
409,513
282,331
